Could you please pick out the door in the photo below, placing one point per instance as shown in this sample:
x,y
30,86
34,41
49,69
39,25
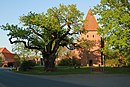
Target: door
x,y
90,62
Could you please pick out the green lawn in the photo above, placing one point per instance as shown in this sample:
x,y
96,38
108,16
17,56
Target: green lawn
x,y
71,70
59,71
116,70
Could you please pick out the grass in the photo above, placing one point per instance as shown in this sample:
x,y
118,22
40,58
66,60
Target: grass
x,y
59,71
117,70
70,70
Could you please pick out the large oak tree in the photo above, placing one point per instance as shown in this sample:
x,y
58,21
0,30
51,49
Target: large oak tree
x,y
48,31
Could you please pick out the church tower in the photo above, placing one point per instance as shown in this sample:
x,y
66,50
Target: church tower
x,y
93,56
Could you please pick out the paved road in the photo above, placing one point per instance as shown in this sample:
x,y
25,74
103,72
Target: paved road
x,y
10,79
94,80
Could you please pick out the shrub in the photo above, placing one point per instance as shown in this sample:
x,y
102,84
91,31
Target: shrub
x,y
69,62
112,62
10,64
128,62
0,64
1,61
27,65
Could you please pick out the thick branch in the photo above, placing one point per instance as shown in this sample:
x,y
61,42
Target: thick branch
x,y
29,47
44,27
73,33
69,48
64,35
63,25
56,47
57,44
73,46
49,46
36,32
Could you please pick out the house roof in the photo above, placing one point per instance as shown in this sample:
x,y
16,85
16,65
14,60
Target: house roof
x,y
4,50
7,55
90,22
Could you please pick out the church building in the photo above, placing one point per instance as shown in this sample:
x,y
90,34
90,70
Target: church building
x,y
93,56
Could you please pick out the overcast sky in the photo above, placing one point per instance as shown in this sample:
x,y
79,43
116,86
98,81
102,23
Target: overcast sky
x,y
10,10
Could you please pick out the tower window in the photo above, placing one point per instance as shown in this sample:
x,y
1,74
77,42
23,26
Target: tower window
x,y
93,36
87,35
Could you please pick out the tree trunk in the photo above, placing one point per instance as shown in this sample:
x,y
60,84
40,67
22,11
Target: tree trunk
x,y
49,63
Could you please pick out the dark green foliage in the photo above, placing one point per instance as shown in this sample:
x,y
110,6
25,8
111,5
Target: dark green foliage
x,y
69,62
26,65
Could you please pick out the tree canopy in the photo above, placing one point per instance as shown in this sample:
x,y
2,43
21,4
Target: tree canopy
x,y
114,19
48,31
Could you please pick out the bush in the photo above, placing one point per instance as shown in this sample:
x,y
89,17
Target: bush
x,y
65,62
69,62
26,65
1,64
10,64
112,62
128,61
1,61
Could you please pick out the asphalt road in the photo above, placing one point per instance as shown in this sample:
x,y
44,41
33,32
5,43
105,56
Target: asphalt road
x,y
10,79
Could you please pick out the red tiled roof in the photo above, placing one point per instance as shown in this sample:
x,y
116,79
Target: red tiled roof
x,y
90,22
8,56
4,50
1,49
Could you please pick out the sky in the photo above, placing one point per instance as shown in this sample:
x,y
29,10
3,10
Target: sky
x,y
11,10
